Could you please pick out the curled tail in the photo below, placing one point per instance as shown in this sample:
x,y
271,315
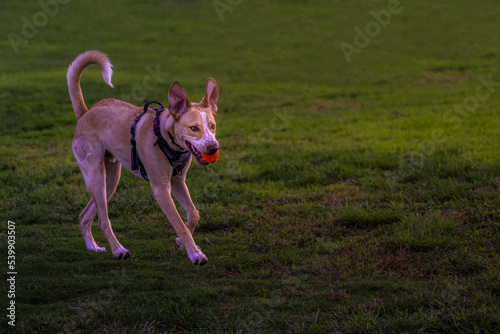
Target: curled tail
x,y
75,73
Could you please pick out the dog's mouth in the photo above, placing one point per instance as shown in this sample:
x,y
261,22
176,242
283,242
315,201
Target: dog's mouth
x,y
196,154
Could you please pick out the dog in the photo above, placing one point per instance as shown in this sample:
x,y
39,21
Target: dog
x,y
102,144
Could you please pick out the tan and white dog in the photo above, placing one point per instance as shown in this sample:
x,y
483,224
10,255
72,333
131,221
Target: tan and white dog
x,y
101,145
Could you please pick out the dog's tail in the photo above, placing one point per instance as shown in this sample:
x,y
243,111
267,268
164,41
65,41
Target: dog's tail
x,y
75,73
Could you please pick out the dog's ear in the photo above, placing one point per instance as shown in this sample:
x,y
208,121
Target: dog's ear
x,y
212,94
178,101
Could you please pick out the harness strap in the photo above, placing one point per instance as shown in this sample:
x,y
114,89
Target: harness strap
x,y
136,161
177,160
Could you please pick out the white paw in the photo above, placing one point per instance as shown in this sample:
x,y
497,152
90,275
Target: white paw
x,y
178,244
198,258
91,245
121,253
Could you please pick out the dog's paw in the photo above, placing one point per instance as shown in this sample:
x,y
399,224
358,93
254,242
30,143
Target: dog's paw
x,y
121,253
178,244
91,245
198,258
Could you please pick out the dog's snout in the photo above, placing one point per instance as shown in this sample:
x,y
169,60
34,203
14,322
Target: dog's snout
x,y
212,148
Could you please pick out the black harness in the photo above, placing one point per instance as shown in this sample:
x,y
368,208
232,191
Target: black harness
x,y
177,159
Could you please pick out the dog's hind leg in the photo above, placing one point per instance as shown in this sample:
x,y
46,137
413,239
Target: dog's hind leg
x,y
91,161
96,183
86,218
113,173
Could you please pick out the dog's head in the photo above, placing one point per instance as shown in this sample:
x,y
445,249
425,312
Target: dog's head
x,y
194,126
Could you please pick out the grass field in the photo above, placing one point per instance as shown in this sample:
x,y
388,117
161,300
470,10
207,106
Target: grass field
x,y
357,197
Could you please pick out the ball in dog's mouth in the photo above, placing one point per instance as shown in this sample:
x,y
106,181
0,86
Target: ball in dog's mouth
x,y
202,158
210,158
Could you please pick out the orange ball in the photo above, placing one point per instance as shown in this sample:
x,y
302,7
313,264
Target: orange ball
x,y
210,158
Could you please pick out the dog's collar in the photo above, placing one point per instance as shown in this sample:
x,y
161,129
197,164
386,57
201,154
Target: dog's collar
x,y
177,159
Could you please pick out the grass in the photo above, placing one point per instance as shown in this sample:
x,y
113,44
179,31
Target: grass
x,y
348,198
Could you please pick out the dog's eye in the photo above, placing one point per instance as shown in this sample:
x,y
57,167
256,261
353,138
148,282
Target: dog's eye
x,y
213,126
194,128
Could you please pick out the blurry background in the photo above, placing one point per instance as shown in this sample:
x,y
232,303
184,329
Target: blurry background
x,y
357,187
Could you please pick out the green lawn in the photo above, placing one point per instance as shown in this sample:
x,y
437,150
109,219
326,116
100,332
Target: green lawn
x,y
357,197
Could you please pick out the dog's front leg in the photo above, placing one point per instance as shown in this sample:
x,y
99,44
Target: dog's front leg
x,y
181,193
161,192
